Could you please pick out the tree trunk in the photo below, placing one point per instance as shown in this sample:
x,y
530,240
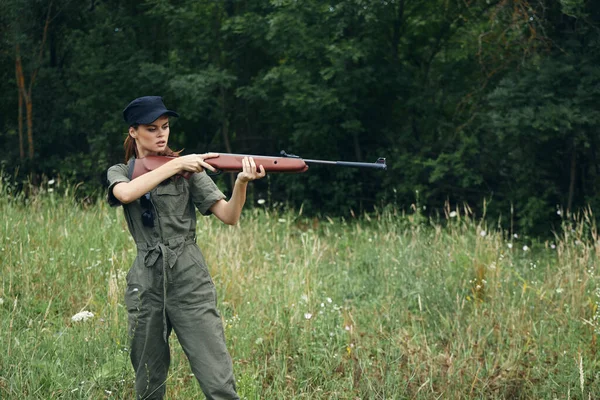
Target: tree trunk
x,y
396,31
27,94
357,149
572,178
24,95
29,110
20,116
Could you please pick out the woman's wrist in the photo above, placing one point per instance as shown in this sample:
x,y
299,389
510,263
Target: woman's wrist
x,y
241,181
176,163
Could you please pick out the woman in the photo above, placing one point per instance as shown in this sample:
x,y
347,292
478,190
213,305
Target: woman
x,y
169,286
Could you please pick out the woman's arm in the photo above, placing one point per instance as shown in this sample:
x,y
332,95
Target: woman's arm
x,y
229,211
126,192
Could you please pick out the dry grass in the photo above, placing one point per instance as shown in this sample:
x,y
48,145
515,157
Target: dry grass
x,y
384,306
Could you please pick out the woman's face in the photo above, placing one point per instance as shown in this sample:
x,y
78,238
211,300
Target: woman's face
x,y
151,139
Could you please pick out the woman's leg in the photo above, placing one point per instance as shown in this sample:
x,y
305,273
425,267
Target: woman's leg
x,y
200,332
192,310
150,354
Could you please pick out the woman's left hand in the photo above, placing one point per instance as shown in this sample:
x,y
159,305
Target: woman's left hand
x,y
250,172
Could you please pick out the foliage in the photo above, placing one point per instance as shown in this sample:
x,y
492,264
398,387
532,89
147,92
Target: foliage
x,y
469,101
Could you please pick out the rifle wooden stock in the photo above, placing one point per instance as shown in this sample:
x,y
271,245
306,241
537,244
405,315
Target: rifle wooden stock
x,y
150,163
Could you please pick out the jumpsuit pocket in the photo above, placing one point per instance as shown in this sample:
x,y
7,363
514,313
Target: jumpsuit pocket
x,y
135,285
133,298
171,198
193,283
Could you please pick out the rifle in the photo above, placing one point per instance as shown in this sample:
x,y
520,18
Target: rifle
x,y
227,162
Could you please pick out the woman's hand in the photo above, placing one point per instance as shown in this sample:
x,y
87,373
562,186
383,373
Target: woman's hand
x,y
250,172
195,162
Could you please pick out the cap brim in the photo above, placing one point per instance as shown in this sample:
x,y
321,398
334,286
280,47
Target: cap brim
x,y
150,118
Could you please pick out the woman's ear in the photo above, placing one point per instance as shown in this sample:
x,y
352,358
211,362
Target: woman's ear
x,y
132,132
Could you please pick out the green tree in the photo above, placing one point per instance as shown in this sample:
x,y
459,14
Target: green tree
x,y
545,118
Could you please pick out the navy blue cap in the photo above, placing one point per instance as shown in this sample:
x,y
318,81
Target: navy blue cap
x,y
145,110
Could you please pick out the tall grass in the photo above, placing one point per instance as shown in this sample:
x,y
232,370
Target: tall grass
x,y
386,306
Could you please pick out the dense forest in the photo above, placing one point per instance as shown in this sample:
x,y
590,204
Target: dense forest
x,y
487,103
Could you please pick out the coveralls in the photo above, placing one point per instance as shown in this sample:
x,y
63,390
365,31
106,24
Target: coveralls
x,y
169,287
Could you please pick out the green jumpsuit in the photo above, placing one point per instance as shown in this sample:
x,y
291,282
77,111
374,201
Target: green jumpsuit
x,y
169,287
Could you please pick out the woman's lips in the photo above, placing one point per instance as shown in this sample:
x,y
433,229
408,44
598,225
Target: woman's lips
x,y
161,143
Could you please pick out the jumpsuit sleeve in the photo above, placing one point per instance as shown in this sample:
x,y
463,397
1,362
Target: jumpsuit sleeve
x,y
204,192
116,174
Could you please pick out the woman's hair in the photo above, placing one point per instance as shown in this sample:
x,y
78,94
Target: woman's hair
x,y
130,147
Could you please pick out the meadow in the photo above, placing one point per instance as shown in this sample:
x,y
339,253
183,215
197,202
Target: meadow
x,y
390,305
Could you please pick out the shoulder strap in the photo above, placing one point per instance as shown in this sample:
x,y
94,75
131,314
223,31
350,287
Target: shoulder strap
x,y
130,166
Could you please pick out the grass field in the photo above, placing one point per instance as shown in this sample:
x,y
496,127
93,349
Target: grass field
x,y
386,306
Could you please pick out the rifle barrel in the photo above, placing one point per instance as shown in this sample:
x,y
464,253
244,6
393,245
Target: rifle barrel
x,y
380,164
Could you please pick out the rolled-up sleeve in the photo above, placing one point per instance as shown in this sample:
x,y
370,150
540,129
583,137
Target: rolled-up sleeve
x,y
204,192
116,174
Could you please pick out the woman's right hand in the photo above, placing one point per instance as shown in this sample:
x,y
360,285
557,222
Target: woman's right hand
x,y
195,162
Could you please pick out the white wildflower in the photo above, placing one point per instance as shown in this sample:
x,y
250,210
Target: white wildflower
x,y
559,290
453,214
282,220
1,301
50,190
552,246
516,236
329,300
82,316
558,212
51,182
510,245
525,248
304,298
261,201
482,233
308,315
